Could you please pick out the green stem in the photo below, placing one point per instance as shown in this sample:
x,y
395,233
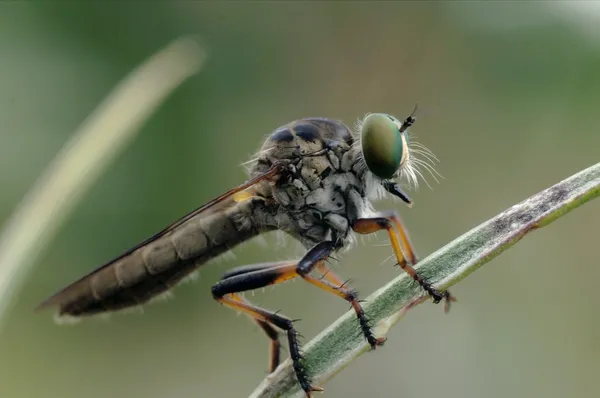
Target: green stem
x,y
339,344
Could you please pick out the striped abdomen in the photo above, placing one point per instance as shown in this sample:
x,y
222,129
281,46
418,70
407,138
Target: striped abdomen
x,y
161,262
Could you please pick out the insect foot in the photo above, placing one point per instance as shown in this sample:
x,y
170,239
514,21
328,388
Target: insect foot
x,y
299,369
439,296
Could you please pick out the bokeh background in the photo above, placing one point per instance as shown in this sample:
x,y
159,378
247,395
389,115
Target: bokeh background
x,y
509,95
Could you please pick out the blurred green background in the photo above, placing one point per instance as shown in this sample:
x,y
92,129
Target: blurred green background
x,y
508,99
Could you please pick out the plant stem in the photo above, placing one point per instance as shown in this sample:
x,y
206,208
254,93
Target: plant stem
x,y
340,343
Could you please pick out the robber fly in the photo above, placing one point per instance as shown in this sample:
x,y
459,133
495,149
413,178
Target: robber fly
x,y
312,179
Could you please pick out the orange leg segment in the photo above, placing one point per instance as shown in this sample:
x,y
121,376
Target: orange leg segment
x,y
270,331
333,284
256,276
402,247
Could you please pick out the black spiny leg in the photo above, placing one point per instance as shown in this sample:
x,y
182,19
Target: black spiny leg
x,y
403,249
254,277
315,259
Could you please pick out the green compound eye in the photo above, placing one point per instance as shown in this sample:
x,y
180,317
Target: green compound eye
x,y
383,144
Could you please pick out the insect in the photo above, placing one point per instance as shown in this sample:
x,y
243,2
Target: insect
x,y
313,179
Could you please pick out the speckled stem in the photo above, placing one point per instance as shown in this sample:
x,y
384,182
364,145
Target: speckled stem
x,y
339,344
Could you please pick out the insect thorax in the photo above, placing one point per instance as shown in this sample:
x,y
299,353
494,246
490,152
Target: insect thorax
x,y
323,189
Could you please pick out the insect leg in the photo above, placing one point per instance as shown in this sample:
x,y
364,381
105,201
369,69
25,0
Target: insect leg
x,y
272,334
402,247
315,258
254,277
332,283
270,331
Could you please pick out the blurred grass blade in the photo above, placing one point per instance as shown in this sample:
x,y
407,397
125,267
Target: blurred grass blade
x,y
100,138
342,342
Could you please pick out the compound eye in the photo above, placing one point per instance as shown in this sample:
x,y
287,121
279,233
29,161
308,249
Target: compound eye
x,y
382,144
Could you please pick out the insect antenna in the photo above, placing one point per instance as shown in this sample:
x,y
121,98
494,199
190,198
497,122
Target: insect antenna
x,y
410,120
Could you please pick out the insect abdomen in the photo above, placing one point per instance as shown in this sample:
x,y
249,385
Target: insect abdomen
x,y
155,267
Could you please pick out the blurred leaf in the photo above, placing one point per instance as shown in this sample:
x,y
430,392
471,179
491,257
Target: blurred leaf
x,y
83,159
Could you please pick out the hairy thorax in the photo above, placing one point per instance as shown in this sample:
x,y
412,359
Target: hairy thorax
x,y
323,189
